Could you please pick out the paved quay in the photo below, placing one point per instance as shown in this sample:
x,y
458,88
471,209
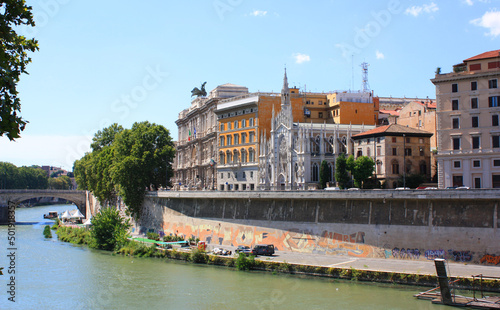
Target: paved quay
x,y
376,264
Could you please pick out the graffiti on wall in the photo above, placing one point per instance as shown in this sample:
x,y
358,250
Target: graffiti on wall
x,y
460,256
490,259
433,254
297,240
406,253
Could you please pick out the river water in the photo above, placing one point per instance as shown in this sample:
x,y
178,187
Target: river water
x,y
55,275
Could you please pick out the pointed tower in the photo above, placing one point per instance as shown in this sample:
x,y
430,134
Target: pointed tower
x,y
285,92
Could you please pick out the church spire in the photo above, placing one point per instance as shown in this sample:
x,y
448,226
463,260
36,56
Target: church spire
x,y
285,91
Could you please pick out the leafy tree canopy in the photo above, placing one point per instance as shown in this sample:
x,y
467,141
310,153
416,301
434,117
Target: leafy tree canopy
x,y
363,169
12,177
13,61
125,162
324,174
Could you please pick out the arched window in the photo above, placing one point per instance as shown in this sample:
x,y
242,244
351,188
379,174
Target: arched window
x,y
236,139
315,173
395,167
222,159
243,138
222,141
243,123
330,145
343,145
236,156
251,155
250,122
317,144
221,126
229,157
235,124
368,152
229,140
243,156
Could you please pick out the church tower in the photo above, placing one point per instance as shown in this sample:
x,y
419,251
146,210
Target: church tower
x,y
285,92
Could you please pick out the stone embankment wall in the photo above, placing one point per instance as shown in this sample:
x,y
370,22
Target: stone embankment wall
x,y
456,225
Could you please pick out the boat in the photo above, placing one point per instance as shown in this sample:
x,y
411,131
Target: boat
x,y
51,215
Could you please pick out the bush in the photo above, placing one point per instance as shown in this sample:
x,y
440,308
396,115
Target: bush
x,y
245,263
173,238
198,256
153,236
56,224
109,230
46,232
73,235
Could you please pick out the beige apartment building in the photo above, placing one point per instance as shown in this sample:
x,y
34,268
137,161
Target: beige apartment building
x,y
468,127
396,150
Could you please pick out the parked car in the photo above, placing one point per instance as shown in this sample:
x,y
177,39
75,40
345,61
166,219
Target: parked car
x,y
263,249
402,188
243,249
332,189
463,187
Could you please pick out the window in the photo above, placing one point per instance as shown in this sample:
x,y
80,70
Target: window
x,y
454,88
492,83
476,142
235,124
477,182
221,127
476,163
395,167
360,153
456,143
423,168
457,164
454,104
493,101
455,123
244,175
222,175
473,85
243,123
315,172
378,140
251,137
251,174
379,151
228,126
495,141
421,150
408,151
320,114
243,138
250,122
494,65
475,121
222,141
494,120
458,180
393,139
229,140
408,140
251,155
421,140
308,102
320,102
394,151
496,162
236,139
473,103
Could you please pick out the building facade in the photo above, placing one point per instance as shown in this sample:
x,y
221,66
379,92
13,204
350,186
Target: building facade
x,y
396,150
468,127
196,147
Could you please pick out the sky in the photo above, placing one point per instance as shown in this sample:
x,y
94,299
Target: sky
x,y
104,62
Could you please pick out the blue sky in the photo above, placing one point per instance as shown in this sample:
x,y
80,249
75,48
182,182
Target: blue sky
x,y
102,62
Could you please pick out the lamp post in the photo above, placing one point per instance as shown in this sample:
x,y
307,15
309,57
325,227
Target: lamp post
x,y
404,161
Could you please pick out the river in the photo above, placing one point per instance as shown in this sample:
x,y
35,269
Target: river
x,y
55,275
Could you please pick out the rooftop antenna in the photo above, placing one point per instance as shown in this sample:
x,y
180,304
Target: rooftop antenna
x,y
365,87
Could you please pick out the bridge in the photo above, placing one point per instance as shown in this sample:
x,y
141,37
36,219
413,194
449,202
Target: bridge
x,y
16,196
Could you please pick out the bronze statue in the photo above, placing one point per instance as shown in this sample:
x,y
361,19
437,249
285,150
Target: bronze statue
x,y
199,92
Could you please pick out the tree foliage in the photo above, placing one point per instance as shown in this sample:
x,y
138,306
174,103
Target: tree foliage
x,y
411,180
12,177
341,174
13,61
324,174
109,230
62,182
125,162
362,170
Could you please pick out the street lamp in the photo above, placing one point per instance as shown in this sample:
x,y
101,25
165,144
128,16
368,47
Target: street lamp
x,y
404,161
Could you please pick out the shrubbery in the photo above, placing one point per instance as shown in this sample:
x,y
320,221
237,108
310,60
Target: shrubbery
x,y
109,230
46,232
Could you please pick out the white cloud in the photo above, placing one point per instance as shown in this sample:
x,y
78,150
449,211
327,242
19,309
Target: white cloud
x,y
258,13
59,151
491,21
301,58
426,8
469,2
379,55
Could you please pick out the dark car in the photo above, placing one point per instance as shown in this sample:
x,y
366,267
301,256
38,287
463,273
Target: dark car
x,y
263,249
243,249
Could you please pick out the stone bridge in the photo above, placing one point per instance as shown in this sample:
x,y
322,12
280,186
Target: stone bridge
x,y
16,196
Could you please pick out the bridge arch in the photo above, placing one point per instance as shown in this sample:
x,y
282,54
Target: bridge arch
x,y
79,198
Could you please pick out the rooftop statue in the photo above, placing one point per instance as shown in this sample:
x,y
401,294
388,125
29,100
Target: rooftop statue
x,y
199,92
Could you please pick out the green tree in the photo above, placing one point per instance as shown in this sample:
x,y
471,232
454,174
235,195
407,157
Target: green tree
x,y
13,61
324,174
341,174
350,163
412,180
12,177
109,230
141,160
363,169
105,137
